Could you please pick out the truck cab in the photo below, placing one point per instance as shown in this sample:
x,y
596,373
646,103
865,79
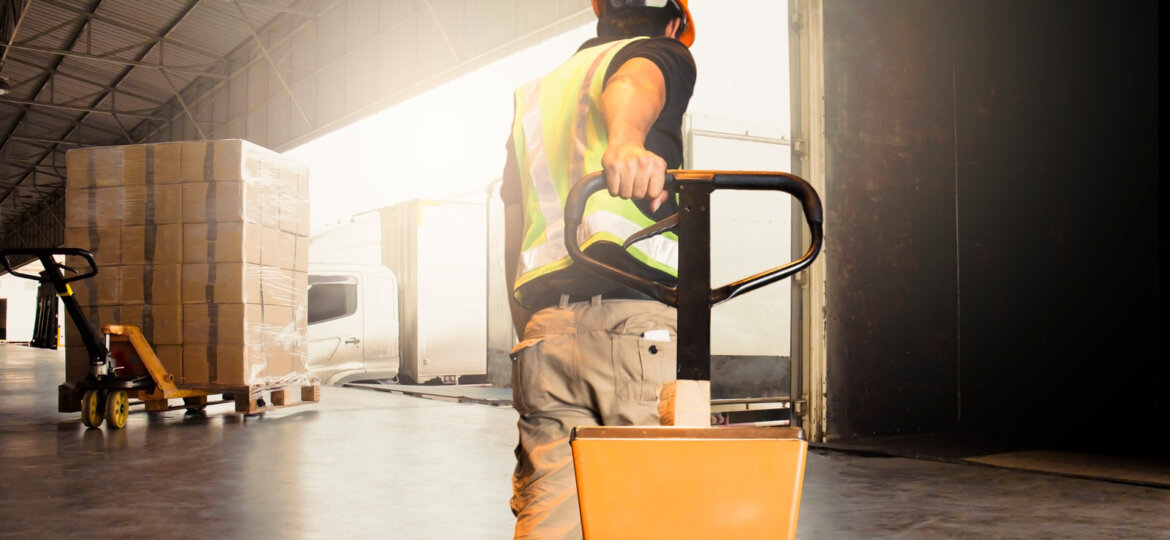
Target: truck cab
x,y
353,323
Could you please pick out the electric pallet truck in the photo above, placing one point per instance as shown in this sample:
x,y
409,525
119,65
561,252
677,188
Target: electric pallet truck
x,y
122,363
690,480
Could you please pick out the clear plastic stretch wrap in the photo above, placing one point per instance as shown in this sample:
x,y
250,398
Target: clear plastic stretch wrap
x,y
204,246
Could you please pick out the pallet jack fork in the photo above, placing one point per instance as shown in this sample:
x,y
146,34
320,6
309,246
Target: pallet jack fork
x,y
695,481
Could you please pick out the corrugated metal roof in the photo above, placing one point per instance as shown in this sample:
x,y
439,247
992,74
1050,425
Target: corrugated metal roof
x,y
109,72
71,64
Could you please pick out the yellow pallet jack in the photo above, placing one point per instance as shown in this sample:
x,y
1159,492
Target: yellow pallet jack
x,y
123,366
688,479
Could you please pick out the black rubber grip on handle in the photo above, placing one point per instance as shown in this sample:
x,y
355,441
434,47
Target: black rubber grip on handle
x,y
792,185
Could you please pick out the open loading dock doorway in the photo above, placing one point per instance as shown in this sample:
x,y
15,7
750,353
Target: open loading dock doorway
x,y
990,176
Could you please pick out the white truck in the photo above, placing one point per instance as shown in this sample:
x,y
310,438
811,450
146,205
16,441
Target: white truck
x,y
416,273
353,323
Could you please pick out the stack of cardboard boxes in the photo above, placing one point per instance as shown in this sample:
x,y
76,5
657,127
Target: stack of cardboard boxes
x,y
204,246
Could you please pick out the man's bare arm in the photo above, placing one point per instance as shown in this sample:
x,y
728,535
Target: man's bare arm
x,y
633,98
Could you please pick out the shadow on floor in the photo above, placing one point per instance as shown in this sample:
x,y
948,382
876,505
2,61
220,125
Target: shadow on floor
x,y
1094,457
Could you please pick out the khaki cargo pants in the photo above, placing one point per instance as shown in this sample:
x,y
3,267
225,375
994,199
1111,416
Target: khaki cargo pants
x,y
583,364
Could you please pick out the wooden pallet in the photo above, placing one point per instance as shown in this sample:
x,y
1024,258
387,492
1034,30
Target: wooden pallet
x,y
249,399
279,397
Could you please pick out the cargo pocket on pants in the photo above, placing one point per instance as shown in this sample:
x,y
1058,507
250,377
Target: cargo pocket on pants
x,y
658,366
526,386
641,366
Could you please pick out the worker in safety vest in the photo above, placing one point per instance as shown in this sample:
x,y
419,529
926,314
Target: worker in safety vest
x,y
592,352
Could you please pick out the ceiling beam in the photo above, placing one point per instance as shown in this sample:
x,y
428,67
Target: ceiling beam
x,y
102,86
41,140
274,7
125,73
187,70
131,28
208,93
275,68
77,108
15,30
56,62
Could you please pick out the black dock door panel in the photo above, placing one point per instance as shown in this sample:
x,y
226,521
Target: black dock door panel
x,y
992,218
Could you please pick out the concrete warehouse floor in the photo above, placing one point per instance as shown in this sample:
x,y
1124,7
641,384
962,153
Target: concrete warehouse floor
x,y
364,464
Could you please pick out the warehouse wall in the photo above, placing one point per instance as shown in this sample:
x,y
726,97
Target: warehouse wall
x,y
992,217
21,306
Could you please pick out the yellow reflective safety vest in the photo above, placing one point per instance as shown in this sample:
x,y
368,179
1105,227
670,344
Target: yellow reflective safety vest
x,y
559,136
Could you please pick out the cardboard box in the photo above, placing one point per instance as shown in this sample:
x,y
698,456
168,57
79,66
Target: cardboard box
x,y
133,244
76,362
213,242
303,229
104,289
166,162
77,207
222,283
253,239
290,208
203,245
301,254
171,357
193,166
163,204
110,206
232,366
164,325
160,244
228,160
151,284
300,291
277,249
104,243
195,364
161,324
133,165
279,287
214,324
98,207
77,237
216,202
133,203
222,364
77,170
101,167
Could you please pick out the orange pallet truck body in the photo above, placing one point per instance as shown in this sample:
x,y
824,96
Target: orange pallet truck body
x,y
680,482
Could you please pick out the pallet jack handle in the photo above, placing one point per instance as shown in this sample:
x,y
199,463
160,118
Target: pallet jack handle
x,y
702,183
45,255
664,487
53,274
693,296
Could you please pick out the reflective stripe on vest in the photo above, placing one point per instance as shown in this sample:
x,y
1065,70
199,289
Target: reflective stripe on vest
x,y
559,136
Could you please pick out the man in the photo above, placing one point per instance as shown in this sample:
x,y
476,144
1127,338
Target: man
x,y
592,352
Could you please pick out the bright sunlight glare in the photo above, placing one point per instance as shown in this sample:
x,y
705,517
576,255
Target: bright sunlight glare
x,y
448,143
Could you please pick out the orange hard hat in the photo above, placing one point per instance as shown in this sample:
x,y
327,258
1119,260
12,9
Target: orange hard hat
x,y
686,36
